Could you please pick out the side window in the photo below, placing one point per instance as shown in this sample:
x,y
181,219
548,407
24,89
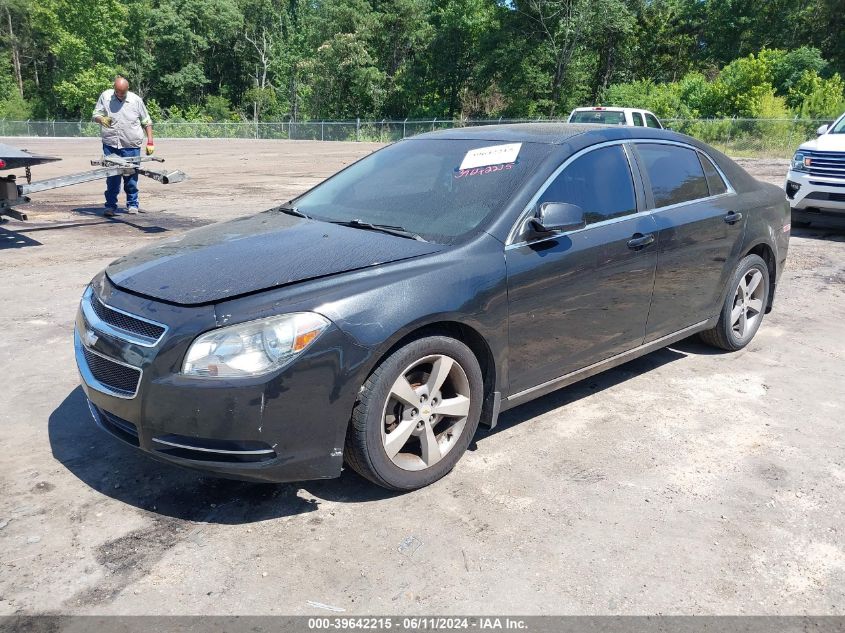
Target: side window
x,y
651,121
714,179
599,182
638,119
675,173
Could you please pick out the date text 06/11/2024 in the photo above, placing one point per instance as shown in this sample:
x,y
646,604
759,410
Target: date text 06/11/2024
x,y
427,623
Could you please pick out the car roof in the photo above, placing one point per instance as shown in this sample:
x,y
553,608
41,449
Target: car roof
x,y
573,137
576,135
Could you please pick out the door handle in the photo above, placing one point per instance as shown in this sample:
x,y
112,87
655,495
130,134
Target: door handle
x,y
639,240
733,217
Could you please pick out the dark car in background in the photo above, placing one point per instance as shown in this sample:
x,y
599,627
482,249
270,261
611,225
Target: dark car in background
x,y
378,318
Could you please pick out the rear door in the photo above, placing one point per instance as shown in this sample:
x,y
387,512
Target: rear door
x,y
583,296
699,234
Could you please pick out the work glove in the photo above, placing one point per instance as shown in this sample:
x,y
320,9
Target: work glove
x,y
105,121
150,149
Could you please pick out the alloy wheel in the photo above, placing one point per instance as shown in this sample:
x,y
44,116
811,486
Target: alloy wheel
x,y
425,412
748,303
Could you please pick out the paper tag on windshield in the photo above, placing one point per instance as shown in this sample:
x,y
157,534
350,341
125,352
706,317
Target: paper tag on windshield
x,y
492,155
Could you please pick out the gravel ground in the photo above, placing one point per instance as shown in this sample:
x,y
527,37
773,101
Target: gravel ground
x,y
685,482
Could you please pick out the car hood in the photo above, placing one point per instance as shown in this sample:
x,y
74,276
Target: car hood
x,y
826,143
253,253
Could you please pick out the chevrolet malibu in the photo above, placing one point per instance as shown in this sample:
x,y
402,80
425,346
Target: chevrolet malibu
x,y
377,319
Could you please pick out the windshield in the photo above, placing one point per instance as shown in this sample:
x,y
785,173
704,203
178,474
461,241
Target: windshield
x,y
441,190
839,126
604,117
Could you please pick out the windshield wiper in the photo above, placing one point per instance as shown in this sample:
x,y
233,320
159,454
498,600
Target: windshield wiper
x,y
290,210
384,228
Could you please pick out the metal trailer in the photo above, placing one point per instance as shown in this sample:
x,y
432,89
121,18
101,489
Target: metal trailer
x,y
13,194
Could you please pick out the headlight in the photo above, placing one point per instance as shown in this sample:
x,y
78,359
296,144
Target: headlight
x,y
253,348
800,161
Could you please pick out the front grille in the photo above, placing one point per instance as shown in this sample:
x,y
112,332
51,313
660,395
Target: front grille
x,y
119,378
829,164
824,195
827,184
125,322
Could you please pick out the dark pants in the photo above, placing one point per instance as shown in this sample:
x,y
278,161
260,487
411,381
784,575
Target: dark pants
x,y
130,183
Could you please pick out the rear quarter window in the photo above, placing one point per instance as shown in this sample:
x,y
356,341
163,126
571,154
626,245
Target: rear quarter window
x,y
714,179
675,173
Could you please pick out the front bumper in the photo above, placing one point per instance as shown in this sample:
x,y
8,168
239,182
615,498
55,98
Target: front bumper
x,y
286,426
818,193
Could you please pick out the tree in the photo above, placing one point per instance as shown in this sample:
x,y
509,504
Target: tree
x,y
611,39
451,64
346,80
194,43
82,50
816,98
12,39
559,26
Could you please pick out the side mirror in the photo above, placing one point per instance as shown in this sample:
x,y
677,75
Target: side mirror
x,y
557,217
822,129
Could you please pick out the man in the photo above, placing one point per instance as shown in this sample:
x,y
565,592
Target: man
x,y
122,114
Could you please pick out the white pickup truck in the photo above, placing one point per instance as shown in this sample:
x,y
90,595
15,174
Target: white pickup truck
x,y
615,116
815,184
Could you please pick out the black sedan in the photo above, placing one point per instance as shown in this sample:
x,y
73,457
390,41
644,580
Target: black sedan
x,y
378,318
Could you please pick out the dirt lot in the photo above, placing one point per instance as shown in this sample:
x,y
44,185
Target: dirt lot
x,y
684,482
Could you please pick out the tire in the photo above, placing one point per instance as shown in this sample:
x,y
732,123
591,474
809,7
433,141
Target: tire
x,y
427,444
742,312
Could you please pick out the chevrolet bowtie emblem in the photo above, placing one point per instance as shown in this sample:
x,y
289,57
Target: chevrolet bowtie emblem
x,y
91,338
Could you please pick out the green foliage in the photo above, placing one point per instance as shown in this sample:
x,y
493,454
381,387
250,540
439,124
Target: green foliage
x,y
346,81
662,99
815,98
14,107
789,66
742,87
79,93
265,60
762,86
155,110
81,36
218,108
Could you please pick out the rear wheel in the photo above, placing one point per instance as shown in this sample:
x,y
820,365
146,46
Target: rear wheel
x,y
416,414
742,312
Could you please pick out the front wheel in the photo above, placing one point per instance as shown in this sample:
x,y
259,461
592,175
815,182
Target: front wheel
x,y
416,414
742,312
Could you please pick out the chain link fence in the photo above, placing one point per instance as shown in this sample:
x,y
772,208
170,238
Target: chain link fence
x,y
764,138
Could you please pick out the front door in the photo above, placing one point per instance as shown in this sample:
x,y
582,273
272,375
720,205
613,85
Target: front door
x,y
578,298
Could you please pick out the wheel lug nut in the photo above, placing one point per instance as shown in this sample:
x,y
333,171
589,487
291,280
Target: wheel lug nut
x,y
423,398
414,413
431,418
